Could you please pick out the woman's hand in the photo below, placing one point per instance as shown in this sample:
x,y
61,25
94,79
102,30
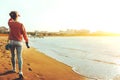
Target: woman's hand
x,y
27,45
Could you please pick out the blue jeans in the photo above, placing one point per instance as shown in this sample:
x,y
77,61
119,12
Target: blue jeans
x,y
16,46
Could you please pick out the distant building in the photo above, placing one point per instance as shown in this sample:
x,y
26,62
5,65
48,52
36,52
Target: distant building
x,y
3,29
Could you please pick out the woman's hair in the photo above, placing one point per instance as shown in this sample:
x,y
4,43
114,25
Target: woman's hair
x,y
13,14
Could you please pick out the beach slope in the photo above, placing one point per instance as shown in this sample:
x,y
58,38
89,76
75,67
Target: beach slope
x,y
36,66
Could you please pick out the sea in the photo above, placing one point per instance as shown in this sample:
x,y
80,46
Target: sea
x,y
95,57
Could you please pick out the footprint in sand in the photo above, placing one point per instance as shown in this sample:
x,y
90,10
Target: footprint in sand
x,y
28,64
9,63
30,69
41,77
6,68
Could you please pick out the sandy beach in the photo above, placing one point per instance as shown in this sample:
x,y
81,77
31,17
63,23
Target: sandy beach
x,y
36,66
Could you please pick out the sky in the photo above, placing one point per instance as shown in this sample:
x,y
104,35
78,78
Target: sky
x,y
55,15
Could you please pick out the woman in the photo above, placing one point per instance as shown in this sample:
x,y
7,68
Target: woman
x,y
16,35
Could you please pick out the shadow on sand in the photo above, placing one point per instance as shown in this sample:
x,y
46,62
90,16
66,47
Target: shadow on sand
x,y
6,73
18,79
10,72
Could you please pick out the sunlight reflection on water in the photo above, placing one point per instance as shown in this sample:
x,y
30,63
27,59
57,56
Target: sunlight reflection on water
x,y
93,57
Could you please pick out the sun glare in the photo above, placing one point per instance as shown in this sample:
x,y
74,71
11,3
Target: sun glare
x,y
105,29
113,30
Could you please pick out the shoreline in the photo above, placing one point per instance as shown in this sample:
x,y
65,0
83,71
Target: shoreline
x,y
57,70
72,68
36,66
